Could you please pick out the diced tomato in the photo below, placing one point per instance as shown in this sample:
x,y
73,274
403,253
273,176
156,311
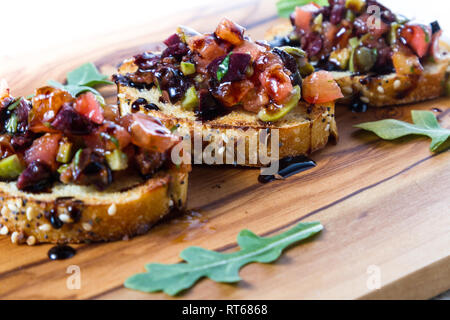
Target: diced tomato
x,y
148,133
304,15
231,93
4,89
379,28
88,106
229,31
108,137
320,87
276,82
330,31
46,104
255,100
405,62
44,150
253,49
111,113
207,47
418,38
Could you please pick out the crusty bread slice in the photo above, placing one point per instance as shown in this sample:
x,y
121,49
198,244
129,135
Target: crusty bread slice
x,y
75,214
383,90
302,131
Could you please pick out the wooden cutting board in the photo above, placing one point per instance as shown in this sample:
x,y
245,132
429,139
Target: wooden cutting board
x,y
384,205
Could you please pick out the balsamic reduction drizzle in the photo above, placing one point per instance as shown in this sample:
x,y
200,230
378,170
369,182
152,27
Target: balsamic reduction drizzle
x,y
288,167
61,252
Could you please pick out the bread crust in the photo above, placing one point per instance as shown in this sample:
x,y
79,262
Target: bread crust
x,y
384,90
303,131
75,214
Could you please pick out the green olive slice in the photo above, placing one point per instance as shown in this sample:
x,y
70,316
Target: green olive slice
x,y
266,116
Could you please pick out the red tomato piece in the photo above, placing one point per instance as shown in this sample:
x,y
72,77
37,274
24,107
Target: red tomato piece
x,y
88,106
46,104
405,62
277,83
148,133
207,47
229,31
320,87
418,38
251,48
304,15
44,150
231,93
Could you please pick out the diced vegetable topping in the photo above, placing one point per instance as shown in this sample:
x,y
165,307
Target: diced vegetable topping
x,y
190,100
88,106
279,112
10,168
304,16
74,139
320,87
147,133
221,71
231,32
187,68
45,150
117,160
47,102
349,35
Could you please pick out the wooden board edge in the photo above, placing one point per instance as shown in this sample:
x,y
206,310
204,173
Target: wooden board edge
x,y
422,284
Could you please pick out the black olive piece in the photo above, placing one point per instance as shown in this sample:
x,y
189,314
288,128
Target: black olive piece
x,y
358,106
435,27
55,221
151,106
136,106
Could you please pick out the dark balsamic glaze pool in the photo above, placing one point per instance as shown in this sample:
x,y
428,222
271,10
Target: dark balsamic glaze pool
x,y
288,167
61,252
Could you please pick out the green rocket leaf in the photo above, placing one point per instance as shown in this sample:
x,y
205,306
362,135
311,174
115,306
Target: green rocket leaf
x,y
219,267
424,123
83,79
87,75
286,7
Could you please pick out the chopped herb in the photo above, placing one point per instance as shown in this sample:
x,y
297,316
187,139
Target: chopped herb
x,y
15,104
223,67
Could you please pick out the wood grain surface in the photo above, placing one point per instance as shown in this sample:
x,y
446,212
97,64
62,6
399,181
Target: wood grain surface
x,y
384,205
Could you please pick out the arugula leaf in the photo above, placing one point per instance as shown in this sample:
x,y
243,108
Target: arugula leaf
x,y
223,67
87,75
83,79
424,123
286,7
219,267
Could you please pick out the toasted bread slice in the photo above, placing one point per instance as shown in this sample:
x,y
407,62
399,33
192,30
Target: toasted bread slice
x,y
75,214
302,131
383,90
